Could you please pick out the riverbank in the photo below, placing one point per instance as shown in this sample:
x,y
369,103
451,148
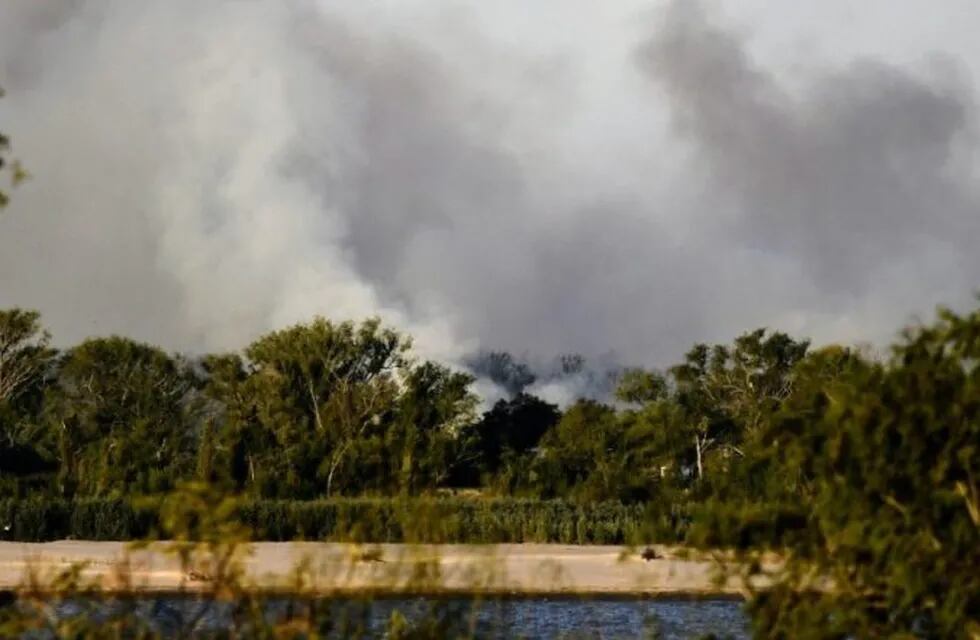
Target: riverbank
x,y
383,569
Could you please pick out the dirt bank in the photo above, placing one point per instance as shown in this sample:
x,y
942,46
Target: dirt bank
x,y
519,569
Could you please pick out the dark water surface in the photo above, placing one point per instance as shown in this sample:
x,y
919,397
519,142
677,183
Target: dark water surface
x,y
534,618
574,618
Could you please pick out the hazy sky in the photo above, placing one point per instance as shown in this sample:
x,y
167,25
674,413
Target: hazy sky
x,y
540,177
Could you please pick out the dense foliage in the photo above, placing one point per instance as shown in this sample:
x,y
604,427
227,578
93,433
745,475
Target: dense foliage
x,y
324,409
860,473
868,487
311,411
445,520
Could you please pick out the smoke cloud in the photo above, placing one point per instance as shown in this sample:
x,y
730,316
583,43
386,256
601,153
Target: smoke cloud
x,y
204,172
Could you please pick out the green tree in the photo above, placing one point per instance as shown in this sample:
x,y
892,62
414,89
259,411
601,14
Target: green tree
x,y
321,390
727,392
637,386
25,362
510,429
719,396
595,453
24,352
433,410
878,522
326,408
125,417
240,444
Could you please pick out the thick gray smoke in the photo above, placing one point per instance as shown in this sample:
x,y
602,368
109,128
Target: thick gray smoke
x,y
856,180
206,171
560,380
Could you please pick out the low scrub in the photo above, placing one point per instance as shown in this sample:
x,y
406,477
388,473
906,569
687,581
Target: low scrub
x,y
433,520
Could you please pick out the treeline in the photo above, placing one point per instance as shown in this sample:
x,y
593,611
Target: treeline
x,y
312,411
322,410
325,409
859,471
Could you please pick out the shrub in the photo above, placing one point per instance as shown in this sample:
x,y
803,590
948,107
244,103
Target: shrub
x,y
435,520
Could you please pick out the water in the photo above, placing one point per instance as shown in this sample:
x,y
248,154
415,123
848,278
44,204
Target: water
x,y
572,618
534,619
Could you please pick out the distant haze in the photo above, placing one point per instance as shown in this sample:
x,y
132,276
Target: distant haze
x,y
616,179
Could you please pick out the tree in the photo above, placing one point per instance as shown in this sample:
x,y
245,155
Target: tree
x,y
123,412
595,453
240,442
25,362
878,522
637,386
750,380
322,408
24,351
727,392
723,394
423,443
512,428
321,389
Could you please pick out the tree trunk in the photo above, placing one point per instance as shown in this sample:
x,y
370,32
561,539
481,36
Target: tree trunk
x,y
697,452
334,464
315,405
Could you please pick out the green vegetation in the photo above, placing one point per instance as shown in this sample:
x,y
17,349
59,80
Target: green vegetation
x,y
325,409
865,481
860,474
441,520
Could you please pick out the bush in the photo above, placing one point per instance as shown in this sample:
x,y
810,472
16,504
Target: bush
x,y
442,520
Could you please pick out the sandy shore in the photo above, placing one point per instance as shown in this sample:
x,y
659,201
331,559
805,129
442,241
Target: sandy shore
x,y
520,569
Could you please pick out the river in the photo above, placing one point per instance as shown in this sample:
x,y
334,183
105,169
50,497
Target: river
x,y
531,618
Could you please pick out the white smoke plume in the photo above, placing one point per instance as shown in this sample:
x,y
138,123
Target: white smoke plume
x,y
568,177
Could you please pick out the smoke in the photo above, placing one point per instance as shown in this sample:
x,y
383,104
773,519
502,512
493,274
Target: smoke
x,y
560,380
857,173
201,166
204,172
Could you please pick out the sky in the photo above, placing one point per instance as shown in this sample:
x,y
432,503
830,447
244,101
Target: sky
x,y
615,179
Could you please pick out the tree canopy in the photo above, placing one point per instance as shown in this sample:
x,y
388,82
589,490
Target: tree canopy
x,y
860,473
873,500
